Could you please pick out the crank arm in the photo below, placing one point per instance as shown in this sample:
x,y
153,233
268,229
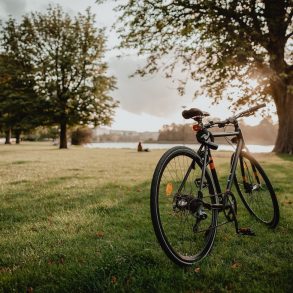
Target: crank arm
x,y
215,206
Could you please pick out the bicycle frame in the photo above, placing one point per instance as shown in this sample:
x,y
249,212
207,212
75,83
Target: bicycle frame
x,y
205,153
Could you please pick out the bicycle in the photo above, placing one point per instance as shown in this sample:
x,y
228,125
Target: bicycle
x,y
186,196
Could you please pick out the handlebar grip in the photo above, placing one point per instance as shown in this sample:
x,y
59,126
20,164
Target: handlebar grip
x,y
250,110
257,107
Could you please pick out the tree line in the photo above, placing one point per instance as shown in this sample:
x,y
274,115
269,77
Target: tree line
x,y
264,133
52,73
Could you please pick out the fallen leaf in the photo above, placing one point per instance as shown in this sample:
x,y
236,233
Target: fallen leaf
x,y
286,202
197,270
4,270
100,234
113,280
235,265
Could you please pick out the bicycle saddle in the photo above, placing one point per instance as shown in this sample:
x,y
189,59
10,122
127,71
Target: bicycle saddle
x,y
193,113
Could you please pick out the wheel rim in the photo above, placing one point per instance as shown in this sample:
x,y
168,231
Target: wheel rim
x,y
255,191
184,238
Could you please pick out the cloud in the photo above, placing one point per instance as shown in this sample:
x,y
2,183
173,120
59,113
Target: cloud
x,y
16,8
152,95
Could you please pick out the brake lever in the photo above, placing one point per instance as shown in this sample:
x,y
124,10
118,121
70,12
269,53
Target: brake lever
x,y
209,124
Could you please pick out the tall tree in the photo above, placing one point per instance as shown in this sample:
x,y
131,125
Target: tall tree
x,y
21,109
19,105
67,55
222,43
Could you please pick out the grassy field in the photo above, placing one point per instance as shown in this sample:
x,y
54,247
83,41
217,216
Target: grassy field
x,y
78,220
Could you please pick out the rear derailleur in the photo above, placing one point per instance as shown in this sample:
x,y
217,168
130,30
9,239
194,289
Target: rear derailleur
x,y
191,204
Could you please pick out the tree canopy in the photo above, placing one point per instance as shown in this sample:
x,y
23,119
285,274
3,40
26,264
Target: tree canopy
x,y
19,105
223,44
66,54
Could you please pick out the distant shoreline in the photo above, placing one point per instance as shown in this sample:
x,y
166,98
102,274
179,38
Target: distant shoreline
x,y
176,142
133,145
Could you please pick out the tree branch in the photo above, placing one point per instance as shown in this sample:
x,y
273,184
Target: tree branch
x,y
289,35
257,38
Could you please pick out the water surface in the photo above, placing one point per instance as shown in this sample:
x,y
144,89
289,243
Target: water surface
x,y
254,148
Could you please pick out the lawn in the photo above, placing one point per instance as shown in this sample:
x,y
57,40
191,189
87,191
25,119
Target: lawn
x,y
78,220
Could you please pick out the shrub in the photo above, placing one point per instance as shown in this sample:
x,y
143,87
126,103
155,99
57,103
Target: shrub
x,y
81,135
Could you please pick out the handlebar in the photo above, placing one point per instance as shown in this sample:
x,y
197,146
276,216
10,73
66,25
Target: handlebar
x,y
206,138
232,120
249,111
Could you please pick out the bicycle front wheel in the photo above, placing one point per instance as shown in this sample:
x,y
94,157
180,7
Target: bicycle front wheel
x,y
256,191
184,229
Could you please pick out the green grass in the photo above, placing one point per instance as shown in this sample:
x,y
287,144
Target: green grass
x,y
78,220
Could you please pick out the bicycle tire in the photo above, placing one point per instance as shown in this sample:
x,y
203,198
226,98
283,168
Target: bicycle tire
x,y
159,202
256,191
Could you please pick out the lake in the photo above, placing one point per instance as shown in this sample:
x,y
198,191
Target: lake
x,y
132,145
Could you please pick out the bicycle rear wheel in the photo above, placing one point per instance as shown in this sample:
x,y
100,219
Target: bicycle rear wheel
x,y
174,191
256,191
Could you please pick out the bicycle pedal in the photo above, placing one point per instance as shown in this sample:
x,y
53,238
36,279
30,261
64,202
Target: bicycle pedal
x,y
246,232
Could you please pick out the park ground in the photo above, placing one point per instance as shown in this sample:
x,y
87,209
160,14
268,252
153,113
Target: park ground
x,y
78,220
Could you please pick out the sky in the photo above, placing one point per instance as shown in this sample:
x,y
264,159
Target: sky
x,y
146,104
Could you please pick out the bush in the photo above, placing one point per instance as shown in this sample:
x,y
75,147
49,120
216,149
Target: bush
x,y
41,133
81,135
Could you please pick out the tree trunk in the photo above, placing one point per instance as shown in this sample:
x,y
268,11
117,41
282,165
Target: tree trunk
x,y
17,136
8,136
63,135
284,142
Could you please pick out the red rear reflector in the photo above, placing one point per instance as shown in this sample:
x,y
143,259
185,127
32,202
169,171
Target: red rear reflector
x,y
196,127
